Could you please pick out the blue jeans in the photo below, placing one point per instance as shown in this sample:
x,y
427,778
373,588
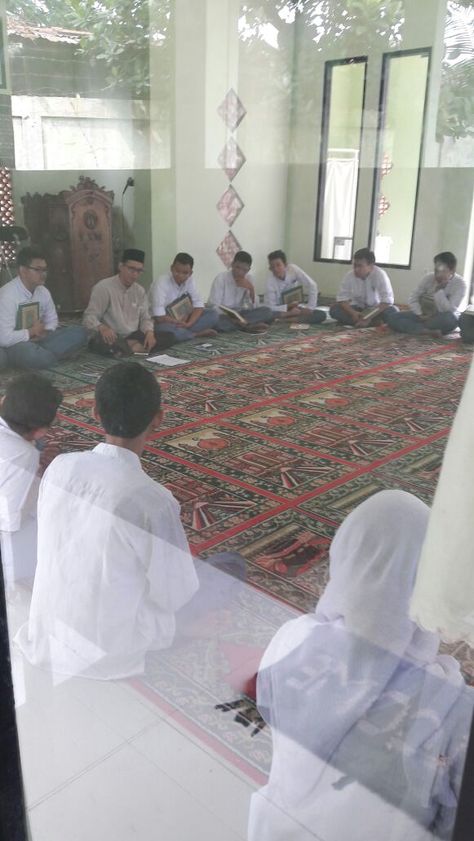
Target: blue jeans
x,y
343,317
410,322
257,316
48,351
206,321
313,316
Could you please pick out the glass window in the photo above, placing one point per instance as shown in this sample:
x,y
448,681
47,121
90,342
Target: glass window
x,y
399,148
207,127
344,90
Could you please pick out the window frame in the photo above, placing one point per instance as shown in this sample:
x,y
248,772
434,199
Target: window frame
x,y
382,113
323,149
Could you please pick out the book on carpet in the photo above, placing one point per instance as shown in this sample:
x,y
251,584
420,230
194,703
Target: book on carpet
x,y
233,314
292,296
370,313
180,308
27,314
428,306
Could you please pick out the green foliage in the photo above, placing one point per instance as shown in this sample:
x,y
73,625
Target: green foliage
x,y
456,102
119,34
456,105
360,23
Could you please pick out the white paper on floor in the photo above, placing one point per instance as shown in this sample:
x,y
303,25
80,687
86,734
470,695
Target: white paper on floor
x,y
164,359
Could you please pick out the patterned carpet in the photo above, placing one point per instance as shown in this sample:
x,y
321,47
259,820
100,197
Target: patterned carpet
x,y
268,443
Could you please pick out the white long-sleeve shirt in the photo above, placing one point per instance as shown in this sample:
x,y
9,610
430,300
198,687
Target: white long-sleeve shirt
x,y
368,292
294,276
19,482
165,290
225,292
12,295
448,299
113,566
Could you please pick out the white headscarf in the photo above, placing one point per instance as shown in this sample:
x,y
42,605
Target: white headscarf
x,y
363,655
373,561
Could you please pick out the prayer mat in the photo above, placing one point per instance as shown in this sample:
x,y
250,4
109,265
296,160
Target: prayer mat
x,y
268,442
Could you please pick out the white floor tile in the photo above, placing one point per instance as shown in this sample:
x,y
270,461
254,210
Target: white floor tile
x,y
59,737
126,798
200,773
123,712
146,700
102,761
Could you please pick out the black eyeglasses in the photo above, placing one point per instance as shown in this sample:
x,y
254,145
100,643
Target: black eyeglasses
x,y
133,269
38,270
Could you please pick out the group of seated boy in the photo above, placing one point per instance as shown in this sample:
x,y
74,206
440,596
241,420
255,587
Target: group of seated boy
x,y
122,319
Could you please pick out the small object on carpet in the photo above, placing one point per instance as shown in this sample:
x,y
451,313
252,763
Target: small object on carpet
x,y
247,714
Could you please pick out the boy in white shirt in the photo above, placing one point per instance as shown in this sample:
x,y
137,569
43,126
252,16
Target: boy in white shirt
x,y
434,304
284,278
365,286
114,565
167,290
26,413
43,344
235,289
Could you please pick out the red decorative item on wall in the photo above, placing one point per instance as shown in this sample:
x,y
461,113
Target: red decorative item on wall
x,y
383,205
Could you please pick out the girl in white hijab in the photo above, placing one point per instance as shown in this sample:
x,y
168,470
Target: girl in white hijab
x,y
369,724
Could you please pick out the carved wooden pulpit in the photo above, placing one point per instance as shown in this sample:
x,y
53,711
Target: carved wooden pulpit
x,y
75,230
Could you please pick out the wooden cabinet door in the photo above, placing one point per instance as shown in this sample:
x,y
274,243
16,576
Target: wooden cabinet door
x,y
90,230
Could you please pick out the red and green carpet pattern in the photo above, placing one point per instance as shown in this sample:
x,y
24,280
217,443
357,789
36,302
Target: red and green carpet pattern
x,y
268,443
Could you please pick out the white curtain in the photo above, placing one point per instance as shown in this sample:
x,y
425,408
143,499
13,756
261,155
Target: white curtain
x,y
339,204
443,598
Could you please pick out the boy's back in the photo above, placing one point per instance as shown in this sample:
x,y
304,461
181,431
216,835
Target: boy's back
x,y
113,566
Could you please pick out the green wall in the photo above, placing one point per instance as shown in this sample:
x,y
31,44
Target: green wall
x,y
445,195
